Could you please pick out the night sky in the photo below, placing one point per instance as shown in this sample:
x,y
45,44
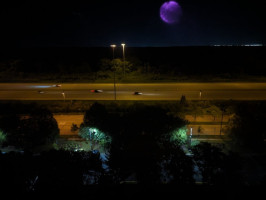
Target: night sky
x,y
136,22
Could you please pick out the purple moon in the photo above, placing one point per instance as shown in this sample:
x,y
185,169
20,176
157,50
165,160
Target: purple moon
x,y
170,12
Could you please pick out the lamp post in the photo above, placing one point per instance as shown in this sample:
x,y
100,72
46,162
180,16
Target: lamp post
x,y
63,93
123,45
190,137
113,47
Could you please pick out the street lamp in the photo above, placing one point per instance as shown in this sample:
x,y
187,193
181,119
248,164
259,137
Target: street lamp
x,y
63,93
123,45
190,136
113,47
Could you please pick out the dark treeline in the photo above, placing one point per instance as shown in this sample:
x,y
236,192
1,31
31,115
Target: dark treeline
x,y
224,61
27,126
144,150
61,173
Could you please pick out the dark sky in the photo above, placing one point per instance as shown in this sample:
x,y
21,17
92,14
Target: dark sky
x,y
135,22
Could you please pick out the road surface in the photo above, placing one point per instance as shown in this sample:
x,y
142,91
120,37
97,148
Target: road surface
x,y
157,91
65,123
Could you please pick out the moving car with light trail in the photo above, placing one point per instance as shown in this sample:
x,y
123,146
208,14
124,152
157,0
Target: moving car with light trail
x,y
137,93
96,91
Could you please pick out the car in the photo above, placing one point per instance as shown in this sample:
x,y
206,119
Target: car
x,y
40,92
57,85
137,93
96,91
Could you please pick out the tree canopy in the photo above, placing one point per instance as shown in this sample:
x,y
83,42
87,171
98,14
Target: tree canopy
x,y
139,135
29,129
245,126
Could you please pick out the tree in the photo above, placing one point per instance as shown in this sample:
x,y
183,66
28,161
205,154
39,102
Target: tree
x,y
195,109
74,127
105,69
216,167
214,111
183,100
179,136
9,123
96,116
137,144
64,171
2,137
107,66
95,137
177,166
39,128
200,130
118,66
138,134
245,126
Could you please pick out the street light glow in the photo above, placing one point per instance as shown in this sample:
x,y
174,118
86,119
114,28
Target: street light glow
x,y
113,47
123,45
63,93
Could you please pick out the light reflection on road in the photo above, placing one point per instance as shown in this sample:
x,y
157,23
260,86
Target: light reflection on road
x,y
40,86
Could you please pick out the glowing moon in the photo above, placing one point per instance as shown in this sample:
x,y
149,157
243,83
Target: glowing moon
x,y
170,12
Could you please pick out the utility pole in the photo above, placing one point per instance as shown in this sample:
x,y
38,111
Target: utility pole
x,y
221,123
63,93
190,136
223,110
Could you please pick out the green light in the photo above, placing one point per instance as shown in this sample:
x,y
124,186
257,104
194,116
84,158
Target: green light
x,y
95,137
179,136
2,137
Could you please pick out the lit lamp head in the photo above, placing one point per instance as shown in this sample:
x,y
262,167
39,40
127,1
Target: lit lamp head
x,y
113,45
123,44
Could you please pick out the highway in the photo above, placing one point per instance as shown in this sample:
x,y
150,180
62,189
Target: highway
x,y
156,91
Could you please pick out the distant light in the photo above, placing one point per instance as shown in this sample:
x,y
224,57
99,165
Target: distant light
x,y
246,45
113,45
253,45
